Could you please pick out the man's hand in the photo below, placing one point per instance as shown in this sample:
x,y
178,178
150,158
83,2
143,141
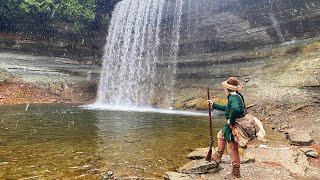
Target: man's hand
x,y
211,103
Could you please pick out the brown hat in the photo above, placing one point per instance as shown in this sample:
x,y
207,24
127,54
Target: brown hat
x,y
232,84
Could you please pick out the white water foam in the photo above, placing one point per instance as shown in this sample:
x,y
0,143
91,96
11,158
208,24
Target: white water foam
x,y
141,109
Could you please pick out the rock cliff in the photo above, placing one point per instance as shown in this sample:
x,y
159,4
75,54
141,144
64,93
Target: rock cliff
x,y
207,27
223,25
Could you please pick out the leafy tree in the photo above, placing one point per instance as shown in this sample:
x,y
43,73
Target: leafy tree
x,y
43,12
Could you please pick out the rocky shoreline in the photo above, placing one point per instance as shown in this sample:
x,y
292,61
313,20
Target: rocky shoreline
x,y
296,159
260,162
283,94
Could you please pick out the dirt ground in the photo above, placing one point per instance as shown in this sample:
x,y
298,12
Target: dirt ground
x,y
23,93
290,97
283,119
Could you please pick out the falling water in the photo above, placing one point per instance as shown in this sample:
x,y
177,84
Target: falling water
x,y
275,23
173,54
276,26
129,70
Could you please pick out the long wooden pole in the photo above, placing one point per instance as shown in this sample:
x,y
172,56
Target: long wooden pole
x,y
209,155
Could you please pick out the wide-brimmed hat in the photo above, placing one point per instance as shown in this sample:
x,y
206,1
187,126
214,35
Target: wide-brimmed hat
x,y
232,84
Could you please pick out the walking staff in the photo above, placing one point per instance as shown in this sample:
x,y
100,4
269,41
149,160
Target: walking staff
x,y
209,155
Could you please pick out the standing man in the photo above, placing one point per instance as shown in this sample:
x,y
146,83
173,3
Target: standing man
x,y
234,109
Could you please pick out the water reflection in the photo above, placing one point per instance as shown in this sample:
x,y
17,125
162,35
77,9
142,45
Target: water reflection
x,y
65,141
148,144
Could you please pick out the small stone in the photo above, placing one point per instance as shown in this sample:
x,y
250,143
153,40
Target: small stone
x,y
310,152
199,153
108,175
285,126
88,62
299,138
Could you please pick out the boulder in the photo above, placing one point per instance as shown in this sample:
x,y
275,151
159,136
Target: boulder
x,y
199,167
299,138
199,153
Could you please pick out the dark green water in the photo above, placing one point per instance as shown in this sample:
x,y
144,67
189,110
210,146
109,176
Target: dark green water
x,y
69,142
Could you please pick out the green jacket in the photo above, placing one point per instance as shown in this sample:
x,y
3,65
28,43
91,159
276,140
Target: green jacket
x,y
234,109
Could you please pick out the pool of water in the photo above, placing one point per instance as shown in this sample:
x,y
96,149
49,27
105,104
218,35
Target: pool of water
x,y
68,141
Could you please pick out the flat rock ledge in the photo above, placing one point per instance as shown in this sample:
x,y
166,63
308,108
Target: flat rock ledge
x,y
193,169
199,166
199,153
258,163
299,138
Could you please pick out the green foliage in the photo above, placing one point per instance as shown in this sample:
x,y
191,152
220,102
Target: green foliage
x,y
76,12
75,9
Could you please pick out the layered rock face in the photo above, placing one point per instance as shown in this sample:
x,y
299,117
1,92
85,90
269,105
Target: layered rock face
x,y
218,38
223,25
262,42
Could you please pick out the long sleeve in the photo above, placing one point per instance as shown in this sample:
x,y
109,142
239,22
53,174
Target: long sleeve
x,y
219,107
222,108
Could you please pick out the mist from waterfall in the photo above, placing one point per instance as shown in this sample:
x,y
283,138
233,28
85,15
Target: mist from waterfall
x,y
129,70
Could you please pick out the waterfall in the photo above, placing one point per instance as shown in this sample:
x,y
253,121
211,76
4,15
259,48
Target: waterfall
x,y
173,54
130,72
